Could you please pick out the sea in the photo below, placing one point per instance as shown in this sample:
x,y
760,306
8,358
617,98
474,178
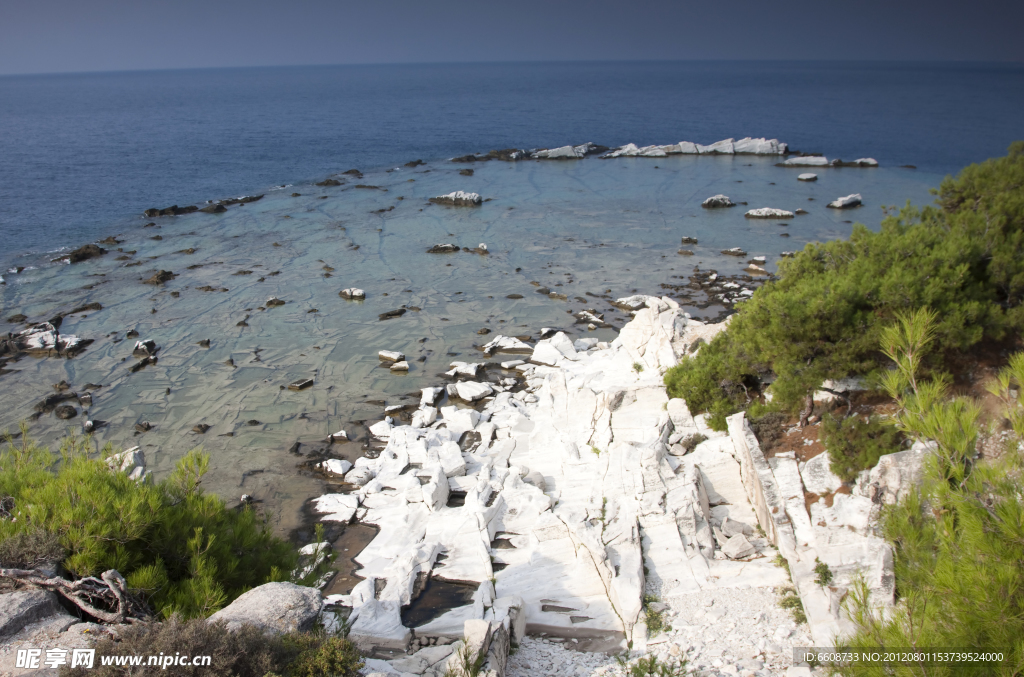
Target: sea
x,y
83,155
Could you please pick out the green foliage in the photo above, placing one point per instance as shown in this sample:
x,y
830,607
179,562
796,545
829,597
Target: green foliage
x,y
790,600
823,318
823,573
637,367
246,652
650,666
655,620
856,444
959,541
768,426
320,654
182,549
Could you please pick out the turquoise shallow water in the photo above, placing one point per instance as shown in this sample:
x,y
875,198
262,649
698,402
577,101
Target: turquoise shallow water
x,y
604,227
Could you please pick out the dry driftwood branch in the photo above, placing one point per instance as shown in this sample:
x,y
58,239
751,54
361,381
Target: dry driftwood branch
x,y
95,596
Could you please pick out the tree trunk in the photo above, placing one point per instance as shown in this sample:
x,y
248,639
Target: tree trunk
x,y
808,408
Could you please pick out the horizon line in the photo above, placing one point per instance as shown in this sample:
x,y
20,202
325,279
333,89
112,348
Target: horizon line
x,y
956,62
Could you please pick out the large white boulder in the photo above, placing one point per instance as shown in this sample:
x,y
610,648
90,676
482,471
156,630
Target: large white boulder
x,y
275,607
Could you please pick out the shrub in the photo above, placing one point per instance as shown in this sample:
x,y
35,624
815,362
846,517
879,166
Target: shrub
x,y
823,574
30,548
246,652
822,319
690,442
180,548
654,619
855,444
958,542
791,601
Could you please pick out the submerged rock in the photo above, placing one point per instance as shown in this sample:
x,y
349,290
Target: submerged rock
x,y
173,210
443,249
735,251
391,314
807,161
83,253
160,277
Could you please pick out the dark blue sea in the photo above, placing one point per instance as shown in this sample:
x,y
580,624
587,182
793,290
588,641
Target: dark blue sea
x,y
81,154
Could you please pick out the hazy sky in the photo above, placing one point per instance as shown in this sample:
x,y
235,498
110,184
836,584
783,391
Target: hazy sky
x,y
40,36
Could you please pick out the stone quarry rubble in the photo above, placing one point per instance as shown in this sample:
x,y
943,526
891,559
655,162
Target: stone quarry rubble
x,y
576,497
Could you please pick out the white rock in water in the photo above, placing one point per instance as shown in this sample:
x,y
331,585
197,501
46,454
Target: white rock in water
x,y
506,344
866,162
758,259
430,396
717,201
352,293
807,177
458,198
340,436
723,147
809,161
631,150
472,391
381,429
336,507
769,213
390,356
511,364
852,200
464,368
688,148
400,366
336,466
633,302
762,146
565,152
756,269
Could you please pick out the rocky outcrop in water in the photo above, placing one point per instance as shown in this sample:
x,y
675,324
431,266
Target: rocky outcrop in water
x,y
173,210
458,198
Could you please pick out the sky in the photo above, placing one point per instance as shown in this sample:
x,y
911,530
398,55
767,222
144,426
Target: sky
x,y
56,36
